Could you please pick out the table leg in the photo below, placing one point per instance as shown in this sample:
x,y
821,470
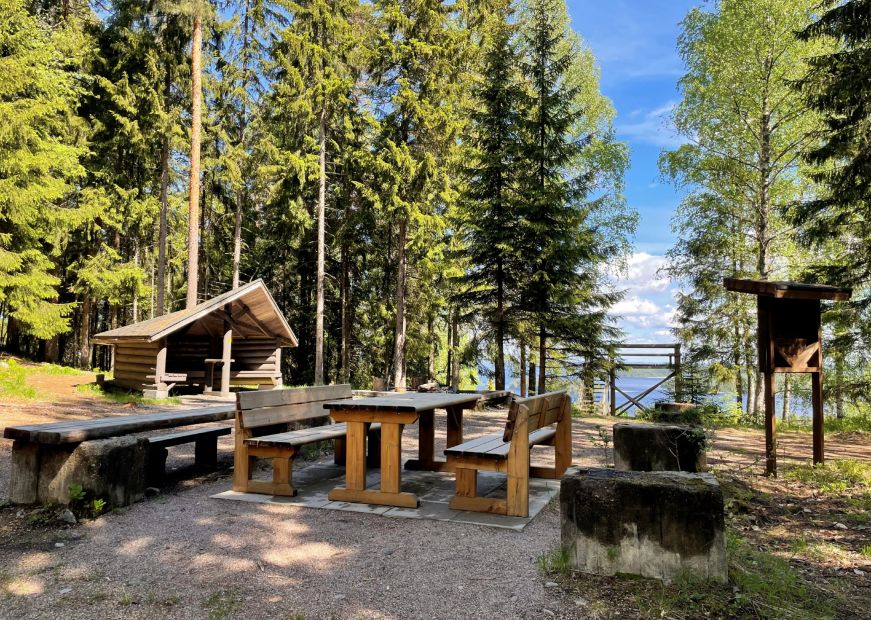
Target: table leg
x,y
426,443
391,464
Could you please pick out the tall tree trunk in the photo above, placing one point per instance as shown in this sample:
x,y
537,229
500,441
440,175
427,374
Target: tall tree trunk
x,y
542,359
787,394
85,332
500,327
322,199
399,340
839,387
430,333
164,210
135,294
196,120
531,388
240,195
455,361
346,313
522,369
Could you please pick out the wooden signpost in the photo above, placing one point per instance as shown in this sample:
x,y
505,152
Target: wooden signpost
x,y
790,340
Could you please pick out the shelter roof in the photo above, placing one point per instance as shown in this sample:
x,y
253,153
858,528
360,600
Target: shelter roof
x,y
787,290
250,309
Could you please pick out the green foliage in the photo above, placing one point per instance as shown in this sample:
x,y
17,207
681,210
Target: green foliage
x,y
13,381
123,397
555,561
83,504
835,477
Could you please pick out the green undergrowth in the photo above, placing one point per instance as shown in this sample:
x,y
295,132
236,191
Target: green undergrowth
x,y
122,397
835,477
13,381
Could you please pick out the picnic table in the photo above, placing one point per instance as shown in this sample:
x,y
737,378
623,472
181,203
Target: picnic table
x,y
393,413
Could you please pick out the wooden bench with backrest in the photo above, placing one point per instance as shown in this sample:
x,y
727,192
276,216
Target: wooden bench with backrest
x,y
539,420
262,421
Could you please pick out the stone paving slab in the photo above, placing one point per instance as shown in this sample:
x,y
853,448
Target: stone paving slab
x,y
314,482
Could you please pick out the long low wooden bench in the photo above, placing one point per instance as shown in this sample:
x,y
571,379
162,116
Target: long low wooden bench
x,y
540,420
205,442
40,452
260,414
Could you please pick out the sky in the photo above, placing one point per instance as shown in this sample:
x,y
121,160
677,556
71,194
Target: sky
x,y
634,42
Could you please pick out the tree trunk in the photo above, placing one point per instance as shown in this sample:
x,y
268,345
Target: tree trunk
x,y
455,361
839,387
542,359
240,195
430,332
85,332
194,195
322,198
164,208
531,387
500,327
522,369
785,411
399,341
346,314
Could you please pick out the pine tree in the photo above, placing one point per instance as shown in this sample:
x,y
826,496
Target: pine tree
x,y
489,204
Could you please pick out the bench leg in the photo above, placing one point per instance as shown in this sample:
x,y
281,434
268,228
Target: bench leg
x,y
467,482
156,467
340,448
282,468
24,483
517,504
206,453
373,448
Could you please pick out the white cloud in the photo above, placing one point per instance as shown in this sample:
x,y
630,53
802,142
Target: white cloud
x,y
653,127
644,313
641,274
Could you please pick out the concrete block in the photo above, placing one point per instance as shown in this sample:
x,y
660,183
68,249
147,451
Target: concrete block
x,y
653,524
659,447
111,469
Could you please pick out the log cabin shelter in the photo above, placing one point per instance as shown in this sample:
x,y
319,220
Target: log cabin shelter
x,y
234,339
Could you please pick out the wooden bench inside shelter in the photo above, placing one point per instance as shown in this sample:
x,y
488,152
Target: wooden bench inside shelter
x,y
540,420
262,421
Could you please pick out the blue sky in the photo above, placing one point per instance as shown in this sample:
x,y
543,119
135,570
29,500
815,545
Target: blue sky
x,y
634,42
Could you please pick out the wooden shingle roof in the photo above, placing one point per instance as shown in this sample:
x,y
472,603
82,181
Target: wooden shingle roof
x,y
250,309
787,290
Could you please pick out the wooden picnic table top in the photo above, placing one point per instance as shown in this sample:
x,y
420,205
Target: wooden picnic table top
x,y
405,402
76,431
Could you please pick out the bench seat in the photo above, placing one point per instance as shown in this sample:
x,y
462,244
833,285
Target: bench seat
x,y
205,450
303,436
493,447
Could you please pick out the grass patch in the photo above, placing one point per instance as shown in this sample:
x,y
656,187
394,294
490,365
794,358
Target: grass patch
x,y
865,551
124,398
834,477
554,562
769,583
222,604
55,370
13,381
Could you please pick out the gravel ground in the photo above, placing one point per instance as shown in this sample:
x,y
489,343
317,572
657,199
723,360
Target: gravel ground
x,y
184,555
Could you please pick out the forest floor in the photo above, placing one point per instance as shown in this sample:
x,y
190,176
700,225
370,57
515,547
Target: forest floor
x,y
799,546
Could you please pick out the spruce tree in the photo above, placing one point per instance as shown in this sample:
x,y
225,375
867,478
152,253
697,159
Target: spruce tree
x,y
40,150
838,87
489,203
565,236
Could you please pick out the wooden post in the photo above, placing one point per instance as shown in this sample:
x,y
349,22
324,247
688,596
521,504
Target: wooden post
x,y
280,381
678,391
226,355
160,370
612,378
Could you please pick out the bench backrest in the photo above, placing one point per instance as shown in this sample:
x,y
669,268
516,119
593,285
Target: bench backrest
x,y
270,407
541,411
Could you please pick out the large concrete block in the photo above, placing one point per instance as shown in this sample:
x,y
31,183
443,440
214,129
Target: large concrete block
x,y
653,524
112,469
659,447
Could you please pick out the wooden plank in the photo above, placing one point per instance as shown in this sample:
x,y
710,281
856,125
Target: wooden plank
x,y
371,496
84,430
386,416
292,396
177,439
517,487
268,416
408,402
300,437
